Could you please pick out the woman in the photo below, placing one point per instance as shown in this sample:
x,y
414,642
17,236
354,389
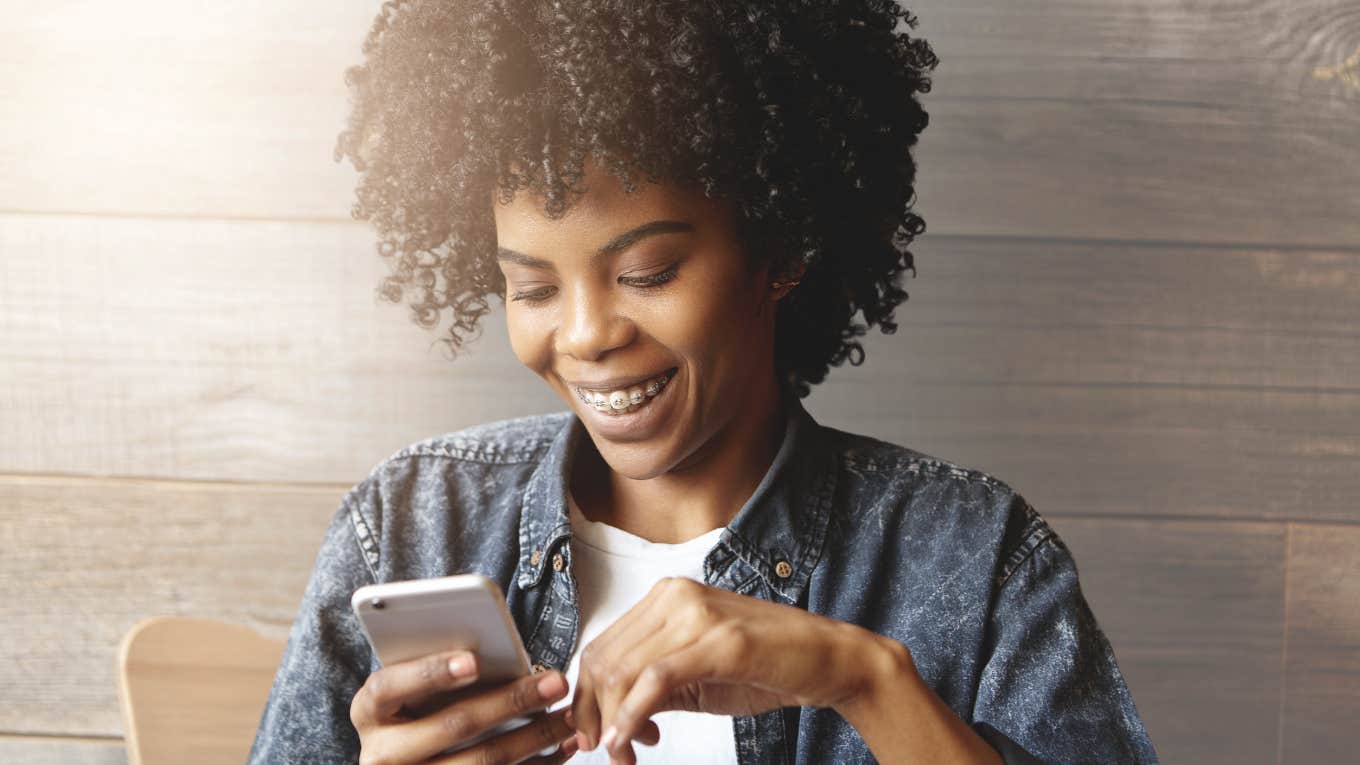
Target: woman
x,y
683,205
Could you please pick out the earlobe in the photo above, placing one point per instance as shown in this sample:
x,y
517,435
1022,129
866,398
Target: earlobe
x,y
793,276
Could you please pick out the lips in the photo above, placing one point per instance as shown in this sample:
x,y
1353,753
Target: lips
x,y
634,422
622,383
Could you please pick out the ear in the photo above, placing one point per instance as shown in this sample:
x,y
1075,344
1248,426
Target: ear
x,y
787,272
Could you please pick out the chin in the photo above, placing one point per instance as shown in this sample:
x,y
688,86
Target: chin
x,y
638,461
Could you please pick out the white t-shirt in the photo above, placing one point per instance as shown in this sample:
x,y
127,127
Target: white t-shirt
x,y
613,571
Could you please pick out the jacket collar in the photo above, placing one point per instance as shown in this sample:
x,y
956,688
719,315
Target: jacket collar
x,y
778,533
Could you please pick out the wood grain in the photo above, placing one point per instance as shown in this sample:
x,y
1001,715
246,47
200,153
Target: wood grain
x,y
168,108
193,690
1322,662
1128,120
53,750
87,559
1115,378
1195,613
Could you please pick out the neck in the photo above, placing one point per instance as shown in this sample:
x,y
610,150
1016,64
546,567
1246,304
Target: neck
x,y
702,493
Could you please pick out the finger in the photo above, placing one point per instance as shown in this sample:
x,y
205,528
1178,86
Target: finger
x,y
563,753
600,659
547,731
649,734
704,659
460,721
406,684
642,651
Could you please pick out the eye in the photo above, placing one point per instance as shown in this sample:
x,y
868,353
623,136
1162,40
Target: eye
x,y
534,296
645,282
653,280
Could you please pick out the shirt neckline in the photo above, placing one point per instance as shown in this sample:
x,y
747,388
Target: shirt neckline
x,y
613,540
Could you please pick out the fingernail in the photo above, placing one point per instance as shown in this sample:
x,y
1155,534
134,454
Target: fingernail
x,y
460,665
609,736
569,718
551,685
570,746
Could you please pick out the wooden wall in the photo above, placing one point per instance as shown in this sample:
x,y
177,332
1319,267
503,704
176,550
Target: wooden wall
x,y
1138,303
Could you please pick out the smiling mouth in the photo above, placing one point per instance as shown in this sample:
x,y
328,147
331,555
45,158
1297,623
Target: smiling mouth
x,y
626,400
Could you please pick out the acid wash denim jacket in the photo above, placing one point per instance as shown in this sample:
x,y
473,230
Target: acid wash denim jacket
x,y
949,561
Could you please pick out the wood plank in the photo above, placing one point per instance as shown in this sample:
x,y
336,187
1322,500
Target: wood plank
x,y
1127,169
1126,120
1139,450
1194,611
1143,119
1118,379
57,750
193,690
1322,662
170,108
268,357
87,559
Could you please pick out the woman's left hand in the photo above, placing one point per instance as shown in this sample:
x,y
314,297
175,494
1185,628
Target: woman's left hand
x,y
688,646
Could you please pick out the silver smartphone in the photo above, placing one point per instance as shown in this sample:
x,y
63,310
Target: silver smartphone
x,y
407,620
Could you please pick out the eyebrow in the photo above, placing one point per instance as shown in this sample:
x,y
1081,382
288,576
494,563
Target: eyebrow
x,y
617,244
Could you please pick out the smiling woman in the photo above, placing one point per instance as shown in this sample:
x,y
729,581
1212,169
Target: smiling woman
x,y
684,207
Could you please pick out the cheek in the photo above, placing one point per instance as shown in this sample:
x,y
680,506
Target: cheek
x,y
529,341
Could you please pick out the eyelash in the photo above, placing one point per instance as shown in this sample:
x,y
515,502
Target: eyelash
x,y
641,282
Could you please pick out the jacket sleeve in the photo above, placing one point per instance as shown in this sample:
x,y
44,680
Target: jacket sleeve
x,y
1050,690
326,660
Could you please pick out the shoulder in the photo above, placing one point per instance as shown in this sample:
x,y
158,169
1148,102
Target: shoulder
x,y
509,441
940,497
480,467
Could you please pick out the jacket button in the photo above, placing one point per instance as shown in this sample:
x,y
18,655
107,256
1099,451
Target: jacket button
x,y
783,570
539,668
559,562
535,557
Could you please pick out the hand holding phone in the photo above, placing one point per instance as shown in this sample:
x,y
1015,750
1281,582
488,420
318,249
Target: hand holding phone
x,y
455,676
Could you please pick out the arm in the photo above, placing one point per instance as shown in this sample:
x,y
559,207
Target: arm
x,y
1050,686
306,718
900,718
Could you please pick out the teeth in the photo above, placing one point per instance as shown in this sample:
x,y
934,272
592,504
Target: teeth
x,y
624,401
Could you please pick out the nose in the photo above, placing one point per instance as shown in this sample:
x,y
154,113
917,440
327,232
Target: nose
x,y
590,327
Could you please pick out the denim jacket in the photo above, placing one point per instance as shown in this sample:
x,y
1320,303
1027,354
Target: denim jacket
x,y
949,561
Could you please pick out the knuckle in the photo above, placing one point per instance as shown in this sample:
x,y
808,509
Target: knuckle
x,y
371,757
377,687
676,586
591,658
458,724
731,634
433,668
491,755
659,674
615,678
524,694
546,732
357,718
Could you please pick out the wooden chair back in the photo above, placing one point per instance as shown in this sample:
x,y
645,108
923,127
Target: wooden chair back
x,y
193,690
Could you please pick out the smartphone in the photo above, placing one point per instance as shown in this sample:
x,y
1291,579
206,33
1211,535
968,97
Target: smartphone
x,y
407,620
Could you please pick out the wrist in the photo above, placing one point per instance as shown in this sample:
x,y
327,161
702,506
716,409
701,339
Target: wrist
x,y
878,666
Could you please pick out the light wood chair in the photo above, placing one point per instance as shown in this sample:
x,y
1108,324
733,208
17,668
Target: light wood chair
x,y
193,690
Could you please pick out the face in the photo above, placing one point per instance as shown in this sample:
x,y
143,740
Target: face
x,y
628,291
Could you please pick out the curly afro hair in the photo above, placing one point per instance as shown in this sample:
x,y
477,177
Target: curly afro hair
x,y
802,113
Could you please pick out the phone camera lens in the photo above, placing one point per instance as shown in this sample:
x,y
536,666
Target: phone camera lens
x,y
378,603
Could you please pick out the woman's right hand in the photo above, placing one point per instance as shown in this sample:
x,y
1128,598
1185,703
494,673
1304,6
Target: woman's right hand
x,y
403,716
